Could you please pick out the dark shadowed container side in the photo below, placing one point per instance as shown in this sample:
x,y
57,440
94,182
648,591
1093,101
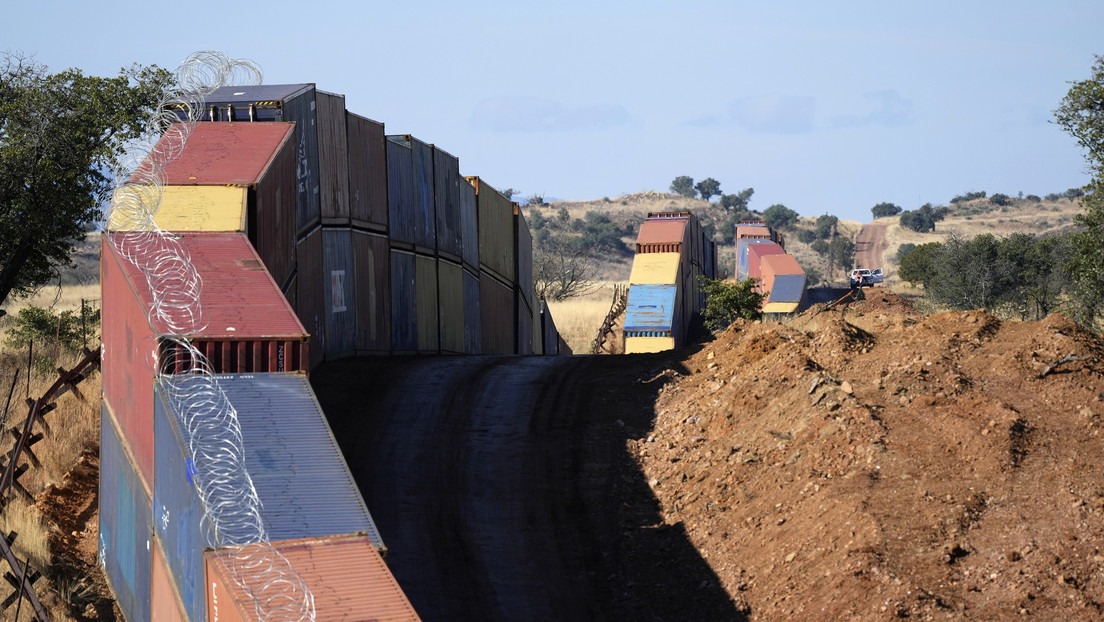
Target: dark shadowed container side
x,y
347,579
272,214
469,225
425,210
291,293
709,267
333,158
550,337
126,522
536,329
404,302
311,307
756,252
165,603
371,257
339,280
498,316
496,232
446,191
367,173
425,282
450,288
400,192
473,318
523,245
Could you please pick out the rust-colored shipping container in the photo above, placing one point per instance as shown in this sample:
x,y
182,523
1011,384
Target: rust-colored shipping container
x,y
523,248
496,232
425,284
367,173
661,236
469,227
346,577
446,190
339,281
400,193
498,315
450,287
756,252
165,602
371,257
310,295
333,158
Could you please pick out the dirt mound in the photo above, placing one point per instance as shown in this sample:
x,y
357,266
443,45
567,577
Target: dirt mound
x,y
871,462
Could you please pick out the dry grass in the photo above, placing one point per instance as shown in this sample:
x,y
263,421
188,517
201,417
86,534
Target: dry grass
x,y
33,543
578,319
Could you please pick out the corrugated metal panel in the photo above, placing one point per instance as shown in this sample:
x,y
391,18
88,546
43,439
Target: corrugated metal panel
x,y
787,288
450,287
425,283
752,231
523,241
446,189
200,208
310,296
473,319
524,327
271,216
498,318
367,172
220,153
647,345
550,337
651,308
345,575
126,522
165,603
400,191
469,226
340,296
404,302
742,246
425,216
371,257
655,268
496,231
333,158
756,253
660,234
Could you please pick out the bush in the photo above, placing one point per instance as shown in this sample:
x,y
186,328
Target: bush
x,y
780,217
806,236
1000,199
882,210
825,225
969,196
43,326
725,302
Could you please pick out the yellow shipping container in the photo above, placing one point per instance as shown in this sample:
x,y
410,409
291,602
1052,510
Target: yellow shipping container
x,y
655,269
780,307
193,208
646,345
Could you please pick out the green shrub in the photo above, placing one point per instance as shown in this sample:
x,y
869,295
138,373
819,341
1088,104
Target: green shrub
x,y
725,302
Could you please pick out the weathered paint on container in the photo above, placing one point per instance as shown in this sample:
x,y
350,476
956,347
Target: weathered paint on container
x,y
496,232
665,235
756,253
347,579
165,603
473,318
310,296
655,268
339,280
400,192
333,158
423,202
404,302
498,316
302,481
784,279
367,173
446,190
450,288
198,208
425,282
469,226
648,345
523,245
371,257
126,522
653,311
240,154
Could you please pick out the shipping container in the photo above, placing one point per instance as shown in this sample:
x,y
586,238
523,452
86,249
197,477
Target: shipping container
x,y
756,253
371,257
278,102
346,577
742,246
498,315
450,289
524,327
339,280
754,230
496,232
550,337
401,213
656,268
473,319
662,235
165,602
425,285
652,321
709,268
784,279
367,173
404,302
469,226
311,293
333,158
446,191
423,201
126,522
303,485
523,245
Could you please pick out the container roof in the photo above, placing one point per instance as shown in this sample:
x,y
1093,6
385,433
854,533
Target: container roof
x,y
662,231
650,307
265,93
762,250
221,153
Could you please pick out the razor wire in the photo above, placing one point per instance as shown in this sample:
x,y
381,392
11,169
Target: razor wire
x,y
233,518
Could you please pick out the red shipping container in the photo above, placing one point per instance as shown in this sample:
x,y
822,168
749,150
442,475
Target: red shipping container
x,y
666,235
165,603
756,252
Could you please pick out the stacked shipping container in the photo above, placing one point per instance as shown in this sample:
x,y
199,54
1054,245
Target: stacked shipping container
x,y
761,254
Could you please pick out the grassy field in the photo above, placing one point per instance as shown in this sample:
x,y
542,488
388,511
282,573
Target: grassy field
x,y
578,319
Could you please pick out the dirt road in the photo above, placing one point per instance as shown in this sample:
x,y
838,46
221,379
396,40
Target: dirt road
x,y
503,488
870,247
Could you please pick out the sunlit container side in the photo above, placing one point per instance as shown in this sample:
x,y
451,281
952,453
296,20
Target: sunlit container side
x,y
425,213
257,159
302,481
661,235
446,192
450,288
652,322
496,232
756,253
126,522
404,302
311,293
333,158
428,310
278,102
401,213
371,257
347,579
784,279
523,243
498,316
469,226
655,268
367,173
339,280
473,319
742,246
165,602
550,337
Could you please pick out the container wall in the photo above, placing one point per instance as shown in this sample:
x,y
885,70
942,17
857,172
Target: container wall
x,y
333,158
498,316
201,208
310,297
742,249
651,308
425,211
400,192
234,356
550,336
469,226
427,304
367,173
371,258
339,280
126,522
446,188
647,345
473,320
756,252
234,154
450,288
660,233
523,245
165,603
655,268
524,327
404,302
496,232
271,217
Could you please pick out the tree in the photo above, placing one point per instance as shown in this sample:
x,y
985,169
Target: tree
x,y
779,216
924,218
725,302
708,188
825,226
841,252
920,266
60,134
508,193
738,201
683,185
883,210
562,269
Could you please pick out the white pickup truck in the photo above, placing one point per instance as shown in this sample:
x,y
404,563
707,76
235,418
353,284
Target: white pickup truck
x,y
865,277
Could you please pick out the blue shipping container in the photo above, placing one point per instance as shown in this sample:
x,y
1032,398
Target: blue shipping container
x,y
469,226
742,255
788,288
651,310
400,191
404,302
446,191
339,281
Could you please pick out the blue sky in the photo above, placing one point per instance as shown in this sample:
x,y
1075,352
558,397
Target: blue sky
x,y
825,107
